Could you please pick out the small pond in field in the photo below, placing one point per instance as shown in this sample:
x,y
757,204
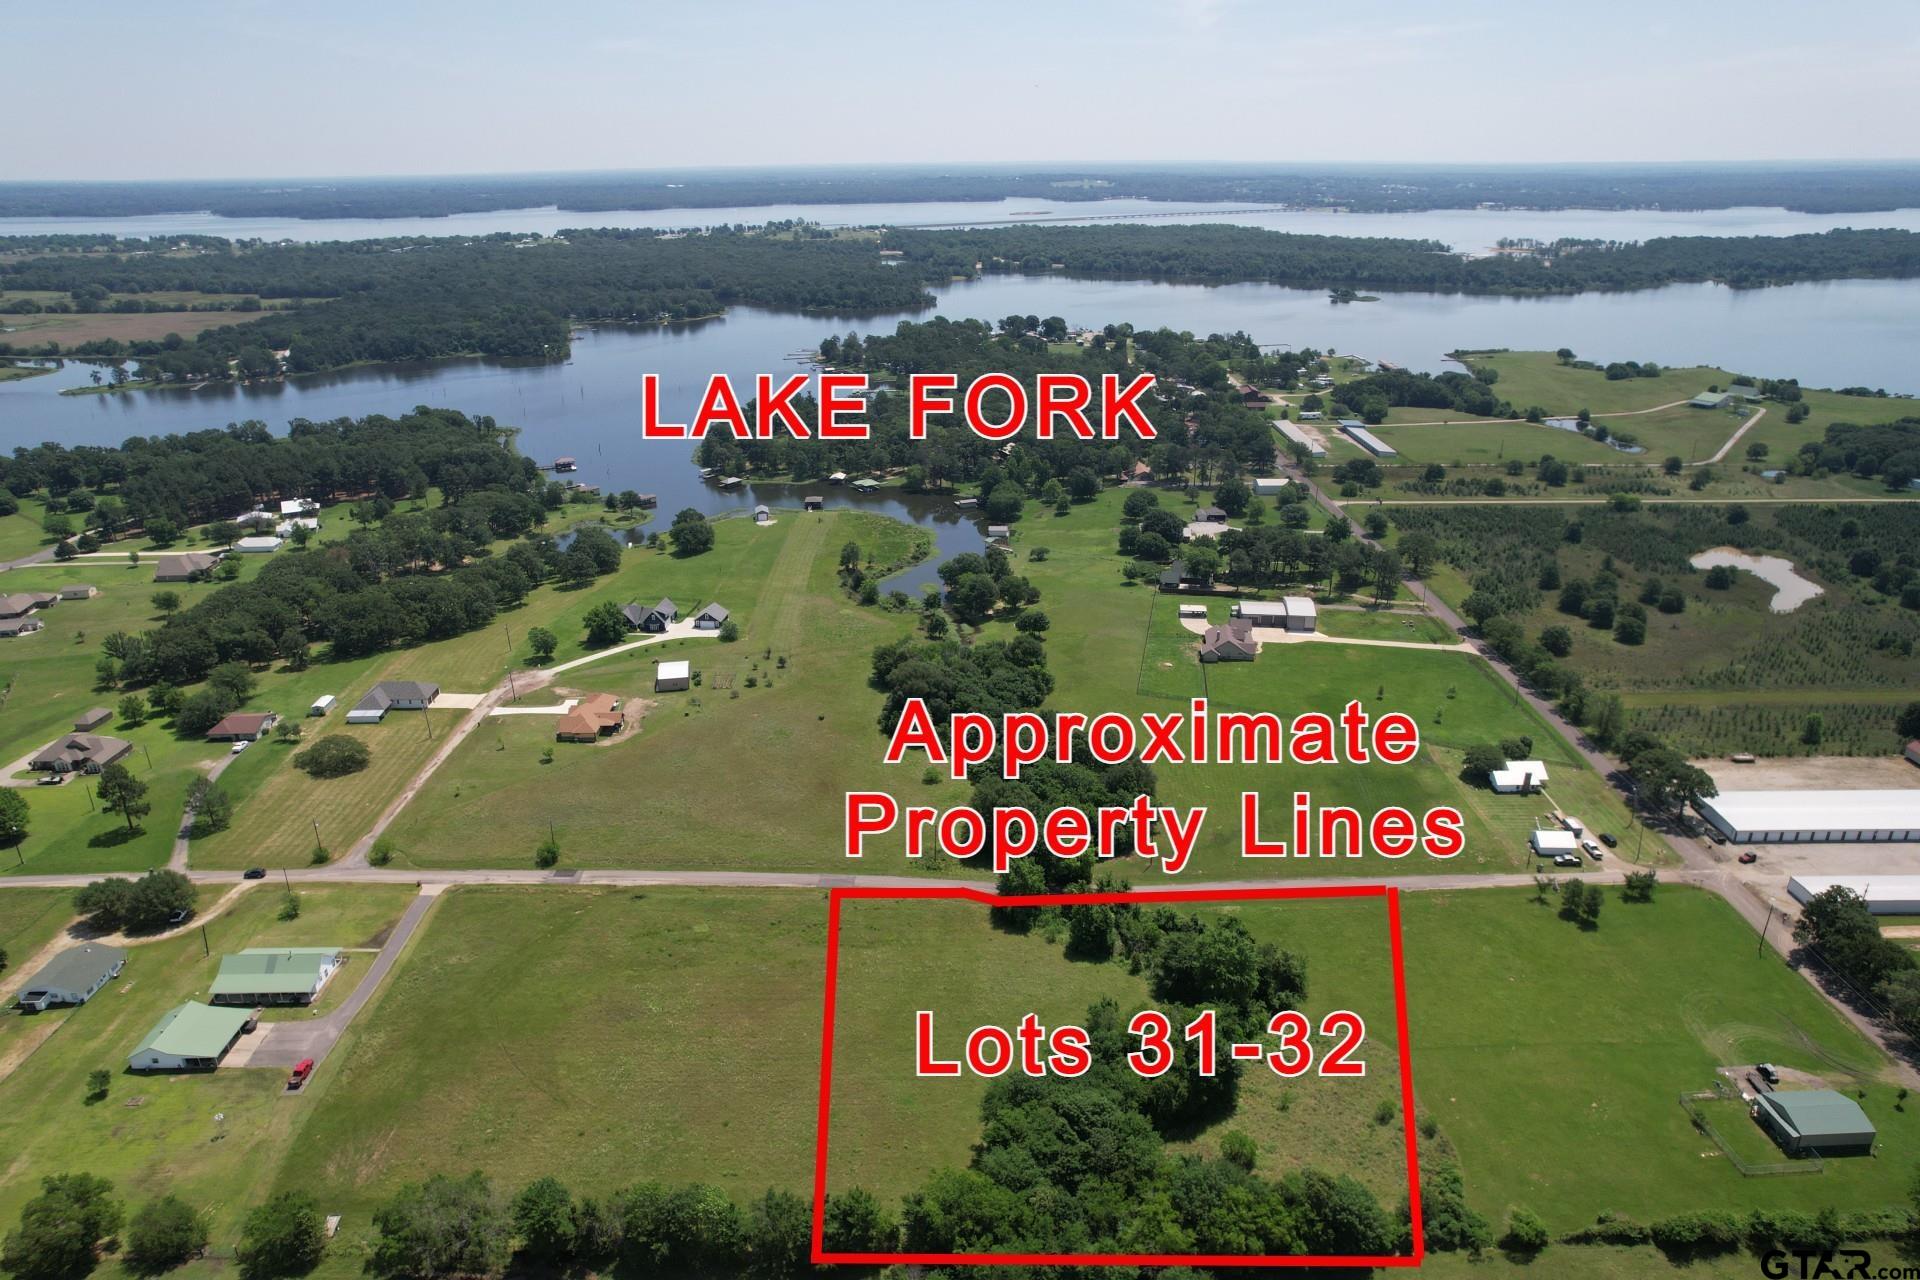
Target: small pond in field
x,y
1790,590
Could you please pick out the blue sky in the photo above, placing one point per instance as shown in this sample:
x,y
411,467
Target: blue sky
x,y
224,88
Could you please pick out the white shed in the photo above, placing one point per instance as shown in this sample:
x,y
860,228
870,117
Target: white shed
x,y
672,675
321,705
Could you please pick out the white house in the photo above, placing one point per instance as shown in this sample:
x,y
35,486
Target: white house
x,y
189,1037
1519,776
392,695
299,507
260,545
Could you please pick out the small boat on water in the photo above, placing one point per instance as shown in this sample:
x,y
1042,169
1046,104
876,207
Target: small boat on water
x,y
706,473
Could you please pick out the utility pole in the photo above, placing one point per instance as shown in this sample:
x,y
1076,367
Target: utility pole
x,y
205,950
316,841
509,630
149,755
1761,949
284,880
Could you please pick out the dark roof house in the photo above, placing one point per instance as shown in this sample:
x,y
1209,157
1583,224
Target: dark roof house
x,y
711,617
641,618
251,725
92,718
80,753
180,567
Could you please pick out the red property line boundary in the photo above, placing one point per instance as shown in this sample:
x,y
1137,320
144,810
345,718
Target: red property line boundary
x,y
837,896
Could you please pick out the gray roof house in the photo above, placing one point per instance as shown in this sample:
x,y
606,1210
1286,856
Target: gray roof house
x,y
642,618
392,695
1231,643
711,617
92,719
72,977
79,591
20,626
1210,515
179,568
80,753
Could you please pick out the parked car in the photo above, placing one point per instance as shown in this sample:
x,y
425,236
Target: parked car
x,y
1715,836
1768,1073
255,873
52,779
1608,839
1749,856
240,746
1566,859
1593,850
301,1071
253,1021
179,917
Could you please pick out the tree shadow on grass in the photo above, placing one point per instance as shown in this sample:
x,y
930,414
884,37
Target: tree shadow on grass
x,y
115,838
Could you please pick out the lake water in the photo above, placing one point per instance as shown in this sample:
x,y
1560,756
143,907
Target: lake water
x,y
1853,332
1790,589
1466,230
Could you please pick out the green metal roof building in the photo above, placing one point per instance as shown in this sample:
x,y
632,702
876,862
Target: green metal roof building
x,y
275,975
191,1037
1815,1121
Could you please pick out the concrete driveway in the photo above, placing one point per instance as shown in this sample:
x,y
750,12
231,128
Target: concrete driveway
x,y
283,1044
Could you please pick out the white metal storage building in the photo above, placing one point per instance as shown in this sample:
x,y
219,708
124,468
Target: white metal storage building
x,y
1795,817
1885,895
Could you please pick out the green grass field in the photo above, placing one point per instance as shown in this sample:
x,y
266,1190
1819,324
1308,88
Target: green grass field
x,y
721,775
29,919
208,1137
1550,1057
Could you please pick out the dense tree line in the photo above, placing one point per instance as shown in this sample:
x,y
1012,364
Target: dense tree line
x,y
1817,188
418,299
1889,451
220,474
1202,425
1227,254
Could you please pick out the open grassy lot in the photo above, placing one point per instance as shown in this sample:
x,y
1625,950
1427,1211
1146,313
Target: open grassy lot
x,y
1472,441
1384,624
70,330
721,775
1553,1058
604,1035
29,919
208,1137
1453,696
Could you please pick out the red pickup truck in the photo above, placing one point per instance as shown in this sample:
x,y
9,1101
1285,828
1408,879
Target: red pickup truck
x,y
301,1071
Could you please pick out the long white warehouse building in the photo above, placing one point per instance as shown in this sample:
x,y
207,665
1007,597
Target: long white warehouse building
x,y
1793,817
1885,895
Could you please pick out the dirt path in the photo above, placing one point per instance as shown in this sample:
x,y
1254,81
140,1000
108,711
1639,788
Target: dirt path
x,y
1734,439
177,860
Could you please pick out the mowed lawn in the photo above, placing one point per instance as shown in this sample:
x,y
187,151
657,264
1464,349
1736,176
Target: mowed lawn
x,y
50,680
606,1036
1115,647
724,774
613,1034
208,1137
29,919
1553,1058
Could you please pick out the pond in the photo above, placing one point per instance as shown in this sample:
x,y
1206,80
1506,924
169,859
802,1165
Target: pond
x,y
1790,589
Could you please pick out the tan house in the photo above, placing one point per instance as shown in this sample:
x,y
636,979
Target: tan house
x,y
593,717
